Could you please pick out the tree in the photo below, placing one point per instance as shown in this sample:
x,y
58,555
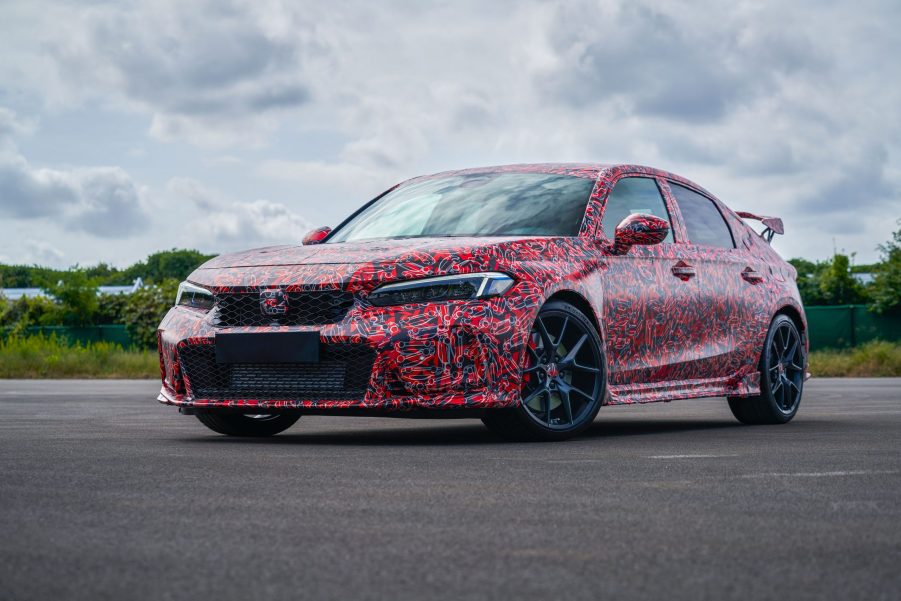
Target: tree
x,y
144,310
111,308
167,264
25,311
175,263
885,291
26,276
103,273
77,296
809,274
838,286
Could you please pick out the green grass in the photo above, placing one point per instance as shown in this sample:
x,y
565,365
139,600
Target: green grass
x,y
51,357
873,359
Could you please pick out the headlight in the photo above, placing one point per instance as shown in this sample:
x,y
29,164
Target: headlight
x,y
195,297
450,287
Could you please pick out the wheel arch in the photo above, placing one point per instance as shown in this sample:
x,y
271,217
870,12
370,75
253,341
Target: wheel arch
x,y
800,322
794,315
581,303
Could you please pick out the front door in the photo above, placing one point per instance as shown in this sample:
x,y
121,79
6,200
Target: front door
x,y
651,311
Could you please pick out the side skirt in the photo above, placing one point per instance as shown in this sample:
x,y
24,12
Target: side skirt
x,y
627,394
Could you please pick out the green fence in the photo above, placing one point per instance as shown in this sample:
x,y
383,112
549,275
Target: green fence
x,y
844,326
116,334
840,326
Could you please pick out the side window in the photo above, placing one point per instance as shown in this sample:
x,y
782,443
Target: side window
x,y
634,195
704,223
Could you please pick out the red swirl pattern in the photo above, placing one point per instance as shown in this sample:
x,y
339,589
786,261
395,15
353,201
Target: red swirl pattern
x,y
667,335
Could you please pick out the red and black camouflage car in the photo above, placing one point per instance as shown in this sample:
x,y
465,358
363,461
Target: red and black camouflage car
x,y
525,295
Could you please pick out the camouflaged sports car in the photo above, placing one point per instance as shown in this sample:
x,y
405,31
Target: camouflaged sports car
x,y
525,295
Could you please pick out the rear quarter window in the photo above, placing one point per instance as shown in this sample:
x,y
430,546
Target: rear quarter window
x,y
704,223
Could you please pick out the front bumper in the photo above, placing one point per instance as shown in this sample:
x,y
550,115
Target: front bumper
x,y
464,354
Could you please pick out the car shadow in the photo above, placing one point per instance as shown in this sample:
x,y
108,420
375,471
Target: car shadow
x,y
634,427
463,433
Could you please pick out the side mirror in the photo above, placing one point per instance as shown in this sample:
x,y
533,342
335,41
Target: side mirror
x,y
316,236
639,229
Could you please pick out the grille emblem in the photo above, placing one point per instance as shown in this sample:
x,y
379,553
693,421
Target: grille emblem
x,y
273,302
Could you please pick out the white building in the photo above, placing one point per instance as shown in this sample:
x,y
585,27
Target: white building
x,y
17,293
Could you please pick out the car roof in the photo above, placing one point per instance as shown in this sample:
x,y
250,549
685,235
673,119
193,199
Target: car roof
x,y
584,170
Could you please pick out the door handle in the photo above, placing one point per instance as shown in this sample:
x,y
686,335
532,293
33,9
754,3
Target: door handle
x,y
751,275
683,271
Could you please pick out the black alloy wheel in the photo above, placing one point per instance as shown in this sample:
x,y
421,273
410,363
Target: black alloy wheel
x,y
562,381
782,365
785,375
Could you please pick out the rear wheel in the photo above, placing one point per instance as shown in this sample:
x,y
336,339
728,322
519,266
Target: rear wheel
x,y
247,424
781,378
562,380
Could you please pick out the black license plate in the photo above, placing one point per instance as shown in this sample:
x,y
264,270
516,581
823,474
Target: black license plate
x,y
267,347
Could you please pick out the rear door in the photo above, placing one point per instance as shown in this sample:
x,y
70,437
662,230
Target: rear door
x,y
650,293
729,285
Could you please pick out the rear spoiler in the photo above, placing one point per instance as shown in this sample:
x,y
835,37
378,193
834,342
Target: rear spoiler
x,y
772,225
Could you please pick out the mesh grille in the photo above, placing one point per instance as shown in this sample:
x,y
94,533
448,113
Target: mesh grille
x,y
342,374
310,308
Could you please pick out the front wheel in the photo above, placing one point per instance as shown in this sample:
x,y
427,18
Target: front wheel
x,y
781,378
562,379
247,424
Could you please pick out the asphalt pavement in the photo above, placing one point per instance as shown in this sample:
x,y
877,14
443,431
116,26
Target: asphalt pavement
x,y
105,494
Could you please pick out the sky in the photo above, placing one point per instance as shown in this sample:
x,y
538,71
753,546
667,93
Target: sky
x,y
131,127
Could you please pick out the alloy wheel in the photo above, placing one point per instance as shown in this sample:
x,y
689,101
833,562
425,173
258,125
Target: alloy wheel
x,y
785,369
562,379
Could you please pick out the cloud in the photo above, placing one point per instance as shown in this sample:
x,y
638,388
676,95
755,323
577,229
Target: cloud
x,y
11,125
670,61
35,252
42,252
111,203
215,72
255,223
193,191
767,105
224,224
860,187
787,108
103,201
344,177
26,192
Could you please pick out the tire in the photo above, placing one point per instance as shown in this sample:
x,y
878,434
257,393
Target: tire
x,y
241,424
563,379
781,378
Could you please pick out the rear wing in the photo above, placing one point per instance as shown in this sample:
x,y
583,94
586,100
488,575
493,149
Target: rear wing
x,y
772,225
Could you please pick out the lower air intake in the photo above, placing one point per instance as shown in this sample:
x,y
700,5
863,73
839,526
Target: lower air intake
x,y
342,374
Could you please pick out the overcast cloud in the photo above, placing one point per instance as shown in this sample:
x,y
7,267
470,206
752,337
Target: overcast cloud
x,y
130,127
103,201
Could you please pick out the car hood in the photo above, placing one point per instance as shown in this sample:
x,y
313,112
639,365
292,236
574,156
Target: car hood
x,y
359,264
370,251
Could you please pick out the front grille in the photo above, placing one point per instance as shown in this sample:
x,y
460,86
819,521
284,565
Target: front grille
x,y
342,373
309,308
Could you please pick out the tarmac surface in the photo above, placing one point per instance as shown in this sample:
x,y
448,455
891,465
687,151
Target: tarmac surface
x,y
105,494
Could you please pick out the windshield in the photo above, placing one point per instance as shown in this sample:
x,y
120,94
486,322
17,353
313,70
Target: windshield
x,y
481,204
